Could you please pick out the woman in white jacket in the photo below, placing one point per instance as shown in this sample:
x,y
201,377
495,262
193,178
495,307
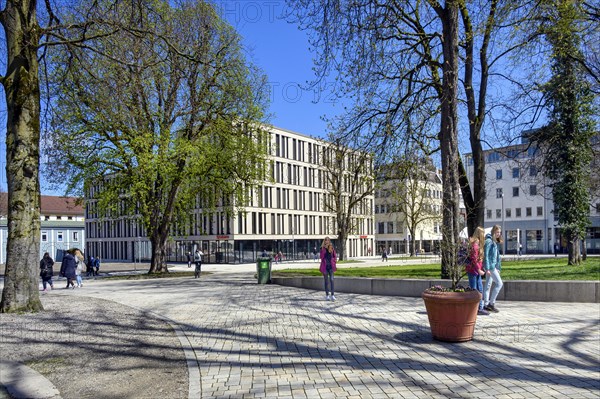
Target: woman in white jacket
x,y
79,266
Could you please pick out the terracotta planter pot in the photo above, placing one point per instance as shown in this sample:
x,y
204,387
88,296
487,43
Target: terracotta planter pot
x,y
452,315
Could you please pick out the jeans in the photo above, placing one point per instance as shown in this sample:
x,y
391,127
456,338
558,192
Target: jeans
x,y
476,283
328,275
494,277
79,280
48,281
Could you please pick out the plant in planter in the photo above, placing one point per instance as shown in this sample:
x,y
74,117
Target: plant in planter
x,y
452,311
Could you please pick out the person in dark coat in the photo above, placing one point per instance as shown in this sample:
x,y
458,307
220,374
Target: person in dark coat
x,y
46,271
68,268
96,265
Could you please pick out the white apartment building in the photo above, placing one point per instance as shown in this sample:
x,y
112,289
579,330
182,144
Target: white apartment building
x,y
62,226
284,214
519,199
395,201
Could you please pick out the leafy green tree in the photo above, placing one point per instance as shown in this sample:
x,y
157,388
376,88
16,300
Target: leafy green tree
x,y
163,120
28,39
566,141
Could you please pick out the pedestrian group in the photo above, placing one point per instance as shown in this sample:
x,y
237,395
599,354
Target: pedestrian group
x,y
72,267
484,261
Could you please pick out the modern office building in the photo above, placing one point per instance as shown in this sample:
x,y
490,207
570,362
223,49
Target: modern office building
x,y
519,198
286,213
62,226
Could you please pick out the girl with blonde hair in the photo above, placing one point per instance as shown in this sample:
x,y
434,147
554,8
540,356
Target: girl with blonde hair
x,y
79,264
474,267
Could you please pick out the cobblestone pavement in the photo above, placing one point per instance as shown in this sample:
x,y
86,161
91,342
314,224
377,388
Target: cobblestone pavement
x,y
267,341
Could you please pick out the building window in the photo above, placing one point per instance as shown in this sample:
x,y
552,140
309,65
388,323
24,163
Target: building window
x,y
489,214
517,212
528,211
533,171
75,236
44,236
533,189
498,193
515,191
516,173
508,212
380,228
539,211
498,213
59,236
498,174
390,228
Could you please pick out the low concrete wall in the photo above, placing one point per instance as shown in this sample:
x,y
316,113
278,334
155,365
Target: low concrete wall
x,y
513,290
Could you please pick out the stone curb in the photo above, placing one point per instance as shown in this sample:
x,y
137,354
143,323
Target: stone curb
x,y
512,290
22,382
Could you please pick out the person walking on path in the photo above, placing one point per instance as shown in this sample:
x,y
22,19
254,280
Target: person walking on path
x,y
474,265
46,272
198,260
189,259
67,269
97,265
79,267
384,255
89,266
492,266
328,267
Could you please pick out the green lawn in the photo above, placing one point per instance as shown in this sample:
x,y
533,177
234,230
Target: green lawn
x,y
544,269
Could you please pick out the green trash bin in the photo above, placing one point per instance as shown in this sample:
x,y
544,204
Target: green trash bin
x,y
263,270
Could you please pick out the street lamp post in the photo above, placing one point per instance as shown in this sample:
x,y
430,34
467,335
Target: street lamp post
x,y
503,233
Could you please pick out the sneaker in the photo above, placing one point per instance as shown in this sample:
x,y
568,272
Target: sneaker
x,y
327,298
491,308
483,312
333,297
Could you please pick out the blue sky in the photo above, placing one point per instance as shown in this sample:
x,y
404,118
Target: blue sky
x,y
281,50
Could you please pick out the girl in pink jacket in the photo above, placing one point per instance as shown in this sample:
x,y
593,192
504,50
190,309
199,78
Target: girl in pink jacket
x,y
328,266
474,267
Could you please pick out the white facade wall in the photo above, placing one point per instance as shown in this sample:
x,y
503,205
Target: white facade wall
x,y
391,230
57,234
519,199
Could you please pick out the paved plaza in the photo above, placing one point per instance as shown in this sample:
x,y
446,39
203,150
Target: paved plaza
x,y
244,340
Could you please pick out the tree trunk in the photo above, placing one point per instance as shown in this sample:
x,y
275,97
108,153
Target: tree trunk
x,y
474,201
158,263
21,85
583,250
574,252
412,242
449,142
341,245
